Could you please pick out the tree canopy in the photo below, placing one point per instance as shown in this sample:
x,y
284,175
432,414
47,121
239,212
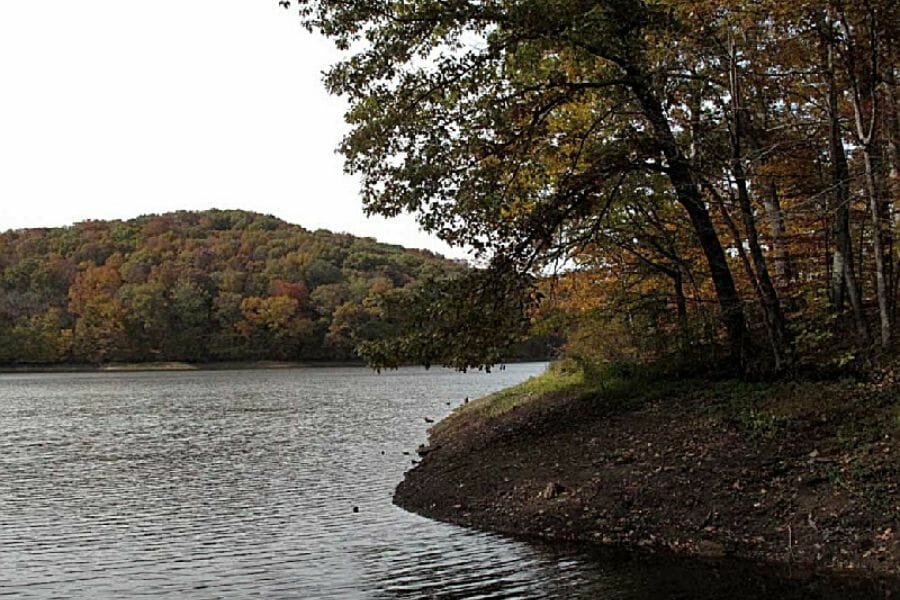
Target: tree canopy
x,y
684,154
209,286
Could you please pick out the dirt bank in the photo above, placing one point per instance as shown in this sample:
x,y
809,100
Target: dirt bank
x,y
800,473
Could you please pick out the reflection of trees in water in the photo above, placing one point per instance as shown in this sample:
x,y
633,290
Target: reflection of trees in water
x,y
464,568
544,571
699,580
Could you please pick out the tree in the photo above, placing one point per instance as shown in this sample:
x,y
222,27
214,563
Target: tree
x,y
462,322
189,317
520,128
99,333
862,57
503,125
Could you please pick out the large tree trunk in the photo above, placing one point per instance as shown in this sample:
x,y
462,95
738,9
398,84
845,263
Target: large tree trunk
x,y
688,195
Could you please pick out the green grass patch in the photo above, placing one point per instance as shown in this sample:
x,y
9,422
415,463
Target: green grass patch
x,y
555,380
611,390
552,381
759,410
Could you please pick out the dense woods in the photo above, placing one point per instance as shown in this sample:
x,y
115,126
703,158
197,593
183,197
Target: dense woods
x,y
718,179
210,286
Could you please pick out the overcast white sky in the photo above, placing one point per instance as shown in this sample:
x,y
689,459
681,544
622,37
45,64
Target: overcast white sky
x,y
113,109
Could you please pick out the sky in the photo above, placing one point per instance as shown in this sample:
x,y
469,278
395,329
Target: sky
x,y
110,109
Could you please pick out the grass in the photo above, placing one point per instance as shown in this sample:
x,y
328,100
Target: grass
x,y
618,391
553,380
762,411
614,390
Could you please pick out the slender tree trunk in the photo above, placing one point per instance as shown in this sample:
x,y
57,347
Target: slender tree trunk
x,y
882,258
867,133
843,271
688,195
838,272
774,215
784,270
774,317
892,129
862,255
681,307
748,265
738,244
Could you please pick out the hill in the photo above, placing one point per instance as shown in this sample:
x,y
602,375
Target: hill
x,y
219,285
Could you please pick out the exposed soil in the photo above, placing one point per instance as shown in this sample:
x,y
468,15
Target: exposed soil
x,y
811,478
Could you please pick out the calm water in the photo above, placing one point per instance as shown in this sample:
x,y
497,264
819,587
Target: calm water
x,y
242,484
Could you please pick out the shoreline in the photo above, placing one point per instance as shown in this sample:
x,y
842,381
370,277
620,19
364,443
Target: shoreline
x,y
175,366
662,470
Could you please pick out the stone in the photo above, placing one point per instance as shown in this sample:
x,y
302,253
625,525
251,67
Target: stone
x,y
424,450
553,490
710,549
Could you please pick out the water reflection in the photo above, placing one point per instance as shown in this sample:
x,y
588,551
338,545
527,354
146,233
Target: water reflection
x,y
237,484
555,572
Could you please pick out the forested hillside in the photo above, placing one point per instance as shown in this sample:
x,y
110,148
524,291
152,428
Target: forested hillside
x,y
210,286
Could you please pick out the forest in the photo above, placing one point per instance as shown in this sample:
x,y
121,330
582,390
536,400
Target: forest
x,y
690,182
187,286
693,181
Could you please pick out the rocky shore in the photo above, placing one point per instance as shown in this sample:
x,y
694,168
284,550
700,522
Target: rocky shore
x,y
799,474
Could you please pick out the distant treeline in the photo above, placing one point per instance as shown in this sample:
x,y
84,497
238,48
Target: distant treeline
x,y
208,286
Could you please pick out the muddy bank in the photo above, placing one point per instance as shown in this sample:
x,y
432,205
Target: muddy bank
x,y
796,474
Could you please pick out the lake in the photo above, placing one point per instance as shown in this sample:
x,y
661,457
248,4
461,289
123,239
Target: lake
x,y
236,484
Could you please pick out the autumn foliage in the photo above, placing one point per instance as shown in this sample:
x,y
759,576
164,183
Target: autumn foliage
x,y
210,286
718,180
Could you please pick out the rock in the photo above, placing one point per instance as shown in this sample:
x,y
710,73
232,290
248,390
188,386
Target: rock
x,y
423,450
710,549
553,490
